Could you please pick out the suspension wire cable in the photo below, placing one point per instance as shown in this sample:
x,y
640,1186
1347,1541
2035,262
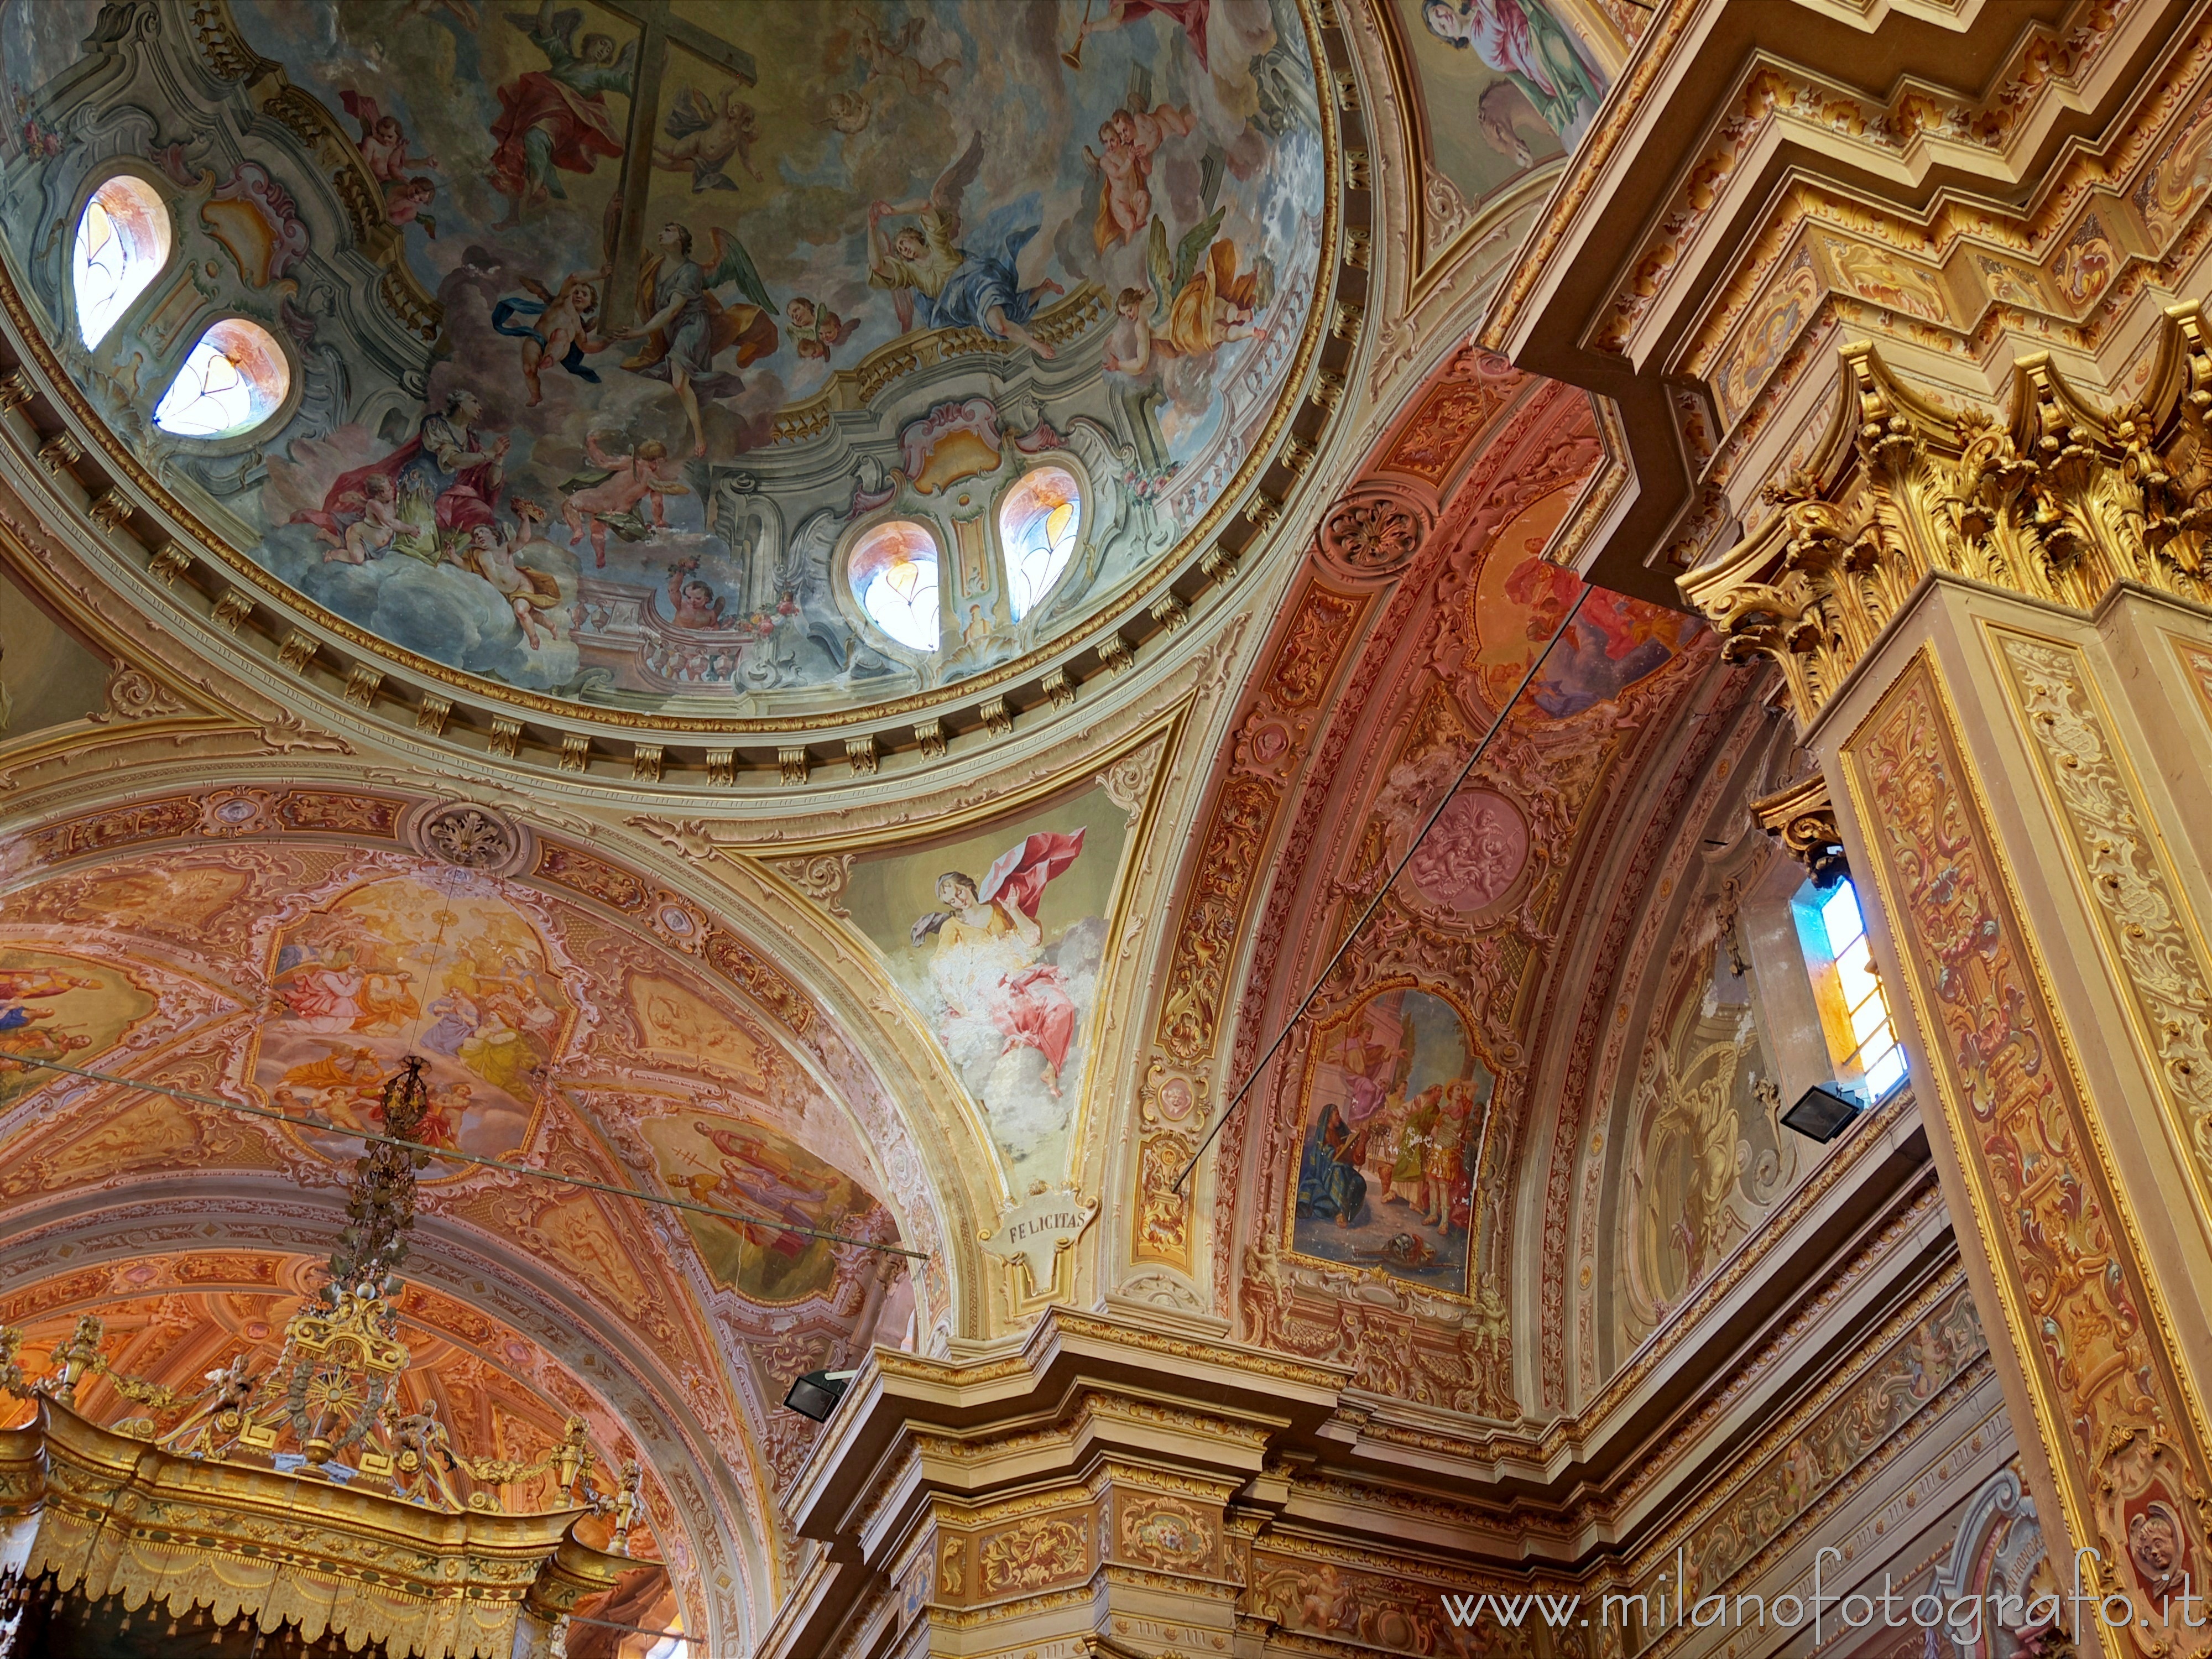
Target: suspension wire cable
x,y
451,1155
1375,904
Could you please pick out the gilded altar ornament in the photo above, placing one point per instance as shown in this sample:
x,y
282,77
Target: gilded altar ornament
x,y
226,1475
2063,503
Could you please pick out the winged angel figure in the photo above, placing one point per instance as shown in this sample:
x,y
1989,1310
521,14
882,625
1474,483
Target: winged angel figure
x,y
937,281
686,327
988,967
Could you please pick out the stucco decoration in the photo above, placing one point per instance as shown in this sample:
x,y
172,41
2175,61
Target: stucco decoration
x,y
605,337
1401,1107
1707,1155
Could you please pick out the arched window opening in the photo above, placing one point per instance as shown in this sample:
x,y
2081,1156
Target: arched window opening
x,y
1854,1008
231,380
1037,526
893,571
122,243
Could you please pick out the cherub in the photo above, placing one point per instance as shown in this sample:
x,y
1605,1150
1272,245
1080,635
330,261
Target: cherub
x,y
565,319
610,497
936,281
370,536
525,591
404,200
383,143
892,56
692,604
849,111
705,138
1132,347
1129,139
815,329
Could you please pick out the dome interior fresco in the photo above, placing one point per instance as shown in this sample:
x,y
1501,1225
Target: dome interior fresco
x,y
595,335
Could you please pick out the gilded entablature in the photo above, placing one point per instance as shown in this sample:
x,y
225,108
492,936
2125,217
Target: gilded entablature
x,y
2061,503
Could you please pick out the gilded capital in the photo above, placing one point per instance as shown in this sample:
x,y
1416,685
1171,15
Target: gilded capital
x,y
2062,502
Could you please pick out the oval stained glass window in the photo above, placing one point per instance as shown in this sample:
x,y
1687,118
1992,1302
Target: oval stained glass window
x,y
1037,524
233,378
893,571
122,243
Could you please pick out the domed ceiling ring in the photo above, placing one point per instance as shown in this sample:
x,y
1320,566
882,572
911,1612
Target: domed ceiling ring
x,y
591,453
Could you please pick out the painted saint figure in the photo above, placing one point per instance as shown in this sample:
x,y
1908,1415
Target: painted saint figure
x,y
987,965
1521,38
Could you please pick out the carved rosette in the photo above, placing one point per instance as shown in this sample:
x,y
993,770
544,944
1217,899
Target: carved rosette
x,y
2063,503
469,837
1373,532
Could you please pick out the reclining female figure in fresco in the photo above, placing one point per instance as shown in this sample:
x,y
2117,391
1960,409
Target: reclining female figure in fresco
x,y
935,283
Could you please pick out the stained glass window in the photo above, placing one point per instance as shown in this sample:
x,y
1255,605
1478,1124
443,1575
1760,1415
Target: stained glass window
x,y
894,573
1854,1007
1037,526
231,380
122,243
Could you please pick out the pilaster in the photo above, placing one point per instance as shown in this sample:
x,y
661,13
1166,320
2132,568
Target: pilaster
x,y
1990,628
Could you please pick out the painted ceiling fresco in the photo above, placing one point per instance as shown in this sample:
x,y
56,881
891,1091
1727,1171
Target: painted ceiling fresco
x,y
286,974
1387,1139
609,328
170,1320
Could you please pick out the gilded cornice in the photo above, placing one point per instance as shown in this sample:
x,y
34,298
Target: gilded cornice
x,y
109,1514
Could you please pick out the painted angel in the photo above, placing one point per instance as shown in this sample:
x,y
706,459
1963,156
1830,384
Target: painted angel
x,y
1209,303
703,138
383,142
988,967
555,119
686,327
938,283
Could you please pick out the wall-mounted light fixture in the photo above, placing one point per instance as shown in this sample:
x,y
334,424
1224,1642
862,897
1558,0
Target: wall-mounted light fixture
x,y
816,1393
1822,1112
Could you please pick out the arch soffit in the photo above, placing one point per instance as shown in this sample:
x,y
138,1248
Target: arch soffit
x,y
718,1526
1536,452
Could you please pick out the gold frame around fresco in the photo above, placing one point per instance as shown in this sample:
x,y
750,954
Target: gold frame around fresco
x,y
757,859
31,345
2050,1413
1344,1016
109,1514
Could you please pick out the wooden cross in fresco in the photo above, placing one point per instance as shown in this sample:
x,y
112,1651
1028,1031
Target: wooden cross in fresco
x,y
657,26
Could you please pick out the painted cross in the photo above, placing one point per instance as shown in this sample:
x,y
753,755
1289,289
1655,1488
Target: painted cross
x,y
658,27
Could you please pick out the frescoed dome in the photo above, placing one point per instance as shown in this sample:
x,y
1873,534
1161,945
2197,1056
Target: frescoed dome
x,y
576,350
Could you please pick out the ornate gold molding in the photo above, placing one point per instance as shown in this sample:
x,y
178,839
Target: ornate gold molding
x,y
2094,1337
2061,504
111,1514
1804,819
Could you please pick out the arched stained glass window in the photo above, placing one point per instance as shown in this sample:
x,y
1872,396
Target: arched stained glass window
x,y
1037,526
122,243
233,378
1854,1007
893,571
